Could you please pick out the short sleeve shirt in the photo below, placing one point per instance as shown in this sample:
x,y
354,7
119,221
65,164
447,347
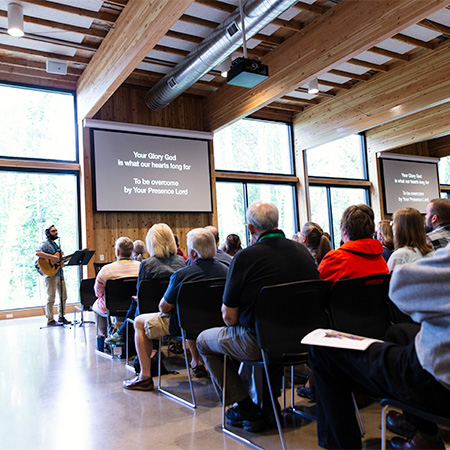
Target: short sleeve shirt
x,y
200,270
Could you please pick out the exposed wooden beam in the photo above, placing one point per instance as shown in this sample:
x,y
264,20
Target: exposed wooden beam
x,y
36,65
305,101
435,26
389,54
138,29
316,9
369,65
100,16
336,85
413,41
288,106
184,37
353,76
418,127
402,91
306,55
60,26
29,51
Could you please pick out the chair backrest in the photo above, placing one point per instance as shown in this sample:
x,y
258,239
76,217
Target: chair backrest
x,y
87,294
99,265
360,305
398,316
285,313
150,293
199,306
118,295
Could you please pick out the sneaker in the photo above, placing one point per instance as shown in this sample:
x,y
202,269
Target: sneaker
x,y
250,420
136,384
114,338
307,392
64,321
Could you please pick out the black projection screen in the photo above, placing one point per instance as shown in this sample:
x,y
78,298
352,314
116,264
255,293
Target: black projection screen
x,y
150,173
408,184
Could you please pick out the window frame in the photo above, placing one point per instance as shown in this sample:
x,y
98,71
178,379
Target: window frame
x,y
348,183
47,166
246,178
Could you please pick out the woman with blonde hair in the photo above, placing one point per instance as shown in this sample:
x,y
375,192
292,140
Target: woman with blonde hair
x,y
385,236
315,240
163,262
410,240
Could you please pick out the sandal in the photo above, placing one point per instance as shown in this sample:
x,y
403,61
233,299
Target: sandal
x,y
199,371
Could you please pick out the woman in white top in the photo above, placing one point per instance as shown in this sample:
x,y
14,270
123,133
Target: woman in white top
x,y
410,240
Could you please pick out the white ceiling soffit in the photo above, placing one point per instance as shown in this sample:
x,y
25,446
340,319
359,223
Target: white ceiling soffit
x,y
6,39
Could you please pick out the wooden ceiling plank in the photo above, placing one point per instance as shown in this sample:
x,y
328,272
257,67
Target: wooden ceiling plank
x,y
307,55
60,26
336,85
411,129
184,37
102,17
138,29
286,106
403,91
220,6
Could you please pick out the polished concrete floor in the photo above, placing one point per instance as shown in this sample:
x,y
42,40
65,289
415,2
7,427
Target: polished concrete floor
x,y
57,393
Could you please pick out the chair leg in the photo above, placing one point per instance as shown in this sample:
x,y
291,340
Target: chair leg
x,y
127,365
272,397
383,427
225,430
169,394
358,416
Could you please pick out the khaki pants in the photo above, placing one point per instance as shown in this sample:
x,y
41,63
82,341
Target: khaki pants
x,y
52,286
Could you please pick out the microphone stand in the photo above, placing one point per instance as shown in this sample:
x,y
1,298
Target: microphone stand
x,y
61,277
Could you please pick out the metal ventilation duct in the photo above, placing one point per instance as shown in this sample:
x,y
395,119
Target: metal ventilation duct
x,y
222,42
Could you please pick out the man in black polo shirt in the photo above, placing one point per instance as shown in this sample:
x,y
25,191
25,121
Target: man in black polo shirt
x,y
272,259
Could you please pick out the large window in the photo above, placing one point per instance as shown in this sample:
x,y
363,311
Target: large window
x,y
38,188
444,170
337,179
37,124
253,161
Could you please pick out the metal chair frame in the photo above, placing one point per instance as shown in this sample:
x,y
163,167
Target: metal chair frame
x,y
87,299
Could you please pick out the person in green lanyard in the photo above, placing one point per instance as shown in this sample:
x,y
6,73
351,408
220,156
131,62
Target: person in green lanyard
x,y
271,259
50,258
437,222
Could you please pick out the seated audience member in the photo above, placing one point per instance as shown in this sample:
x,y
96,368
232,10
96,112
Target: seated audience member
x,y
315,240
179,251
221,256
359,255
385,236
272,259
201,248
417,373
410,239
437,222
124,267
163,262
138,251
232,244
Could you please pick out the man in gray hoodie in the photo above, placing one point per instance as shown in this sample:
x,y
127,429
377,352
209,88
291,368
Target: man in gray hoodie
x,y
418,373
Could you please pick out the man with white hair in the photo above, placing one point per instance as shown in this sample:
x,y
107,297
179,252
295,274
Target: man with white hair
x,y
201,249
272,259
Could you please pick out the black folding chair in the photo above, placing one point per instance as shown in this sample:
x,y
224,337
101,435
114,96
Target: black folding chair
x,y
149,295
386,402
118,295
199,307
99,265
361,305
87,299
285,313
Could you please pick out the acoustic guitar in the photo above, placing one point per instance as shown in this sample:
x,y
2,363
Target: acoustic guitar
x,y
47,268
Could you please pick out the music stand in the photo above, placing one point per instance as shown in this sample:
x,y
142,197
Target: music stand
x,y
80,258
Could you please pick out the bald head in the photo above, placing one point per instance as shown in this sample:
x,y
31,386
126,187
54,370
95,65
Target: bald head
x,y
262,216
214,232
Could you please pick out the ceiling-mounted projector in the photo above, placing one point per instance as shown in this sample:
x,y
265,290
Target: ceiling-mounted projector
x,y
247,73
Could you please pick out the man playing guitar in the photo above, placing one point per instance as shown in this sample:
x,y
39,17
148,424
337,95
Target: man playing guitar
x,y
51,252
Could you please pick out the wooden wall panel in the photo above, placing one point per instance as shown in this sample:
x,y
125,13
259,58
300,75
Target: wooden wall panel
x,y
439,147
128,105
